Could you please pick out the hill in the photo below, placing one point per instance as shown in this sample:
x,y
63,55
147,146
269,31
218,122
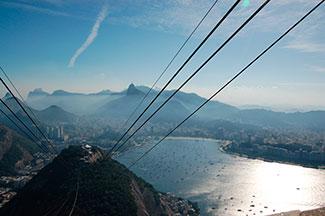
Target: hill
x,y
313,120
79,177
55,114
121,108
15,151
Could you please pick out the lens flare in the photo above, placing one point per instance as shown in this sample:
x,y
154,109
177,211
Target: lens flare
x,y
245,3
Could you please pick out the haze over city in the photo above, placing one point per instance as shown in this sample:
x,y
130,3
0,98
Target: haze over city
x,y
173,107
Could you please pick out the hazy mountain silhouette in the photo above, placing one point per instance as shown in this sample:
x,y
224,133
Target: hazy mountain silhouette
x,y
55,114
122,107
76,103
309,120
119,105
132,90
38,93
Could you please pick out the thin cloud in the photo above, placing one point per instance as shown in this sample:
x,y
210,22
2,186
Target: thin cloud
x,y
91,37
306,46
318,69
37,9
180,16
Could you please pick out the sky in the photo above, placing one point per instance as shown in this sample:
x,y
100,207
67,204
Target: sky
x,y
91,45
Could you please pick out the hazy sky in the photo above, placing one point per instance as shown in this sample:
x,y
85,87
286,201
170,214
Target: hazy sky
x,y
90,45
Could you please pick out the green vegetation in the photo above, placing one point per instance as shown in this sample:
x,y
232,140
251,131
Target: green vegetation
x,y
16,145
105,188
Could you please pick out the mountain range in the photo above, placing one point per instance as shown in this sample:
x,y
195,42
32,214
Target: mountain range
x,y
119,105
67,107
50,115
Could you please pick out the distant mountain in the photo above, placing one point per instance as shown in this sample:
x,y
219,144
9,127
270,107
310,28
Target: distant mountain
x,y
132,90
7,96
144,89
76,103
82,104
79,180
314,120
16,151
64,93
118,108
37,93
255,107
309,120
50,115
103,92
212,110
55,114
119,105
11,102
122,107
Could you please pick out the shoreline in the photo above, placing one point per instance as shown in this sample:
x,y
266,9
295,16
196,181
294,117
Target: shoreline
x,y
238,154
224,143
312,212
194,138
206,204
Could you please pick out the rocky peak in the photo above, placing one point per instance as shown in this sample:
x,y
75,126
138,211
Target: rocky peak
x,y
37,92
132,90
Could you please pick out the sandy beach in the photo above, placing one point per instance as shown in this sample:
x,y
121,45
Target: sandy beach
x,y
314,212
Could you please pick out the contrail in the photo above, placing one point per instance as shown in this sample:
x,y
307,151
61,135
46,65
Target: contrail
x,y
91,37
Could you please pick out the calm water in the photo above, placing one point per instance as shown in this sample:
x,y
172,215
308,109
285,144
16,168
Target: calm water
x,y
223,184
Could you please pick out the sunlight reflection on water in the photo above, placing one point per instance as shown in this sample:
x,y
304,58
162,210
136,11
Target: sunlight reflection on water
x,y
223,184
